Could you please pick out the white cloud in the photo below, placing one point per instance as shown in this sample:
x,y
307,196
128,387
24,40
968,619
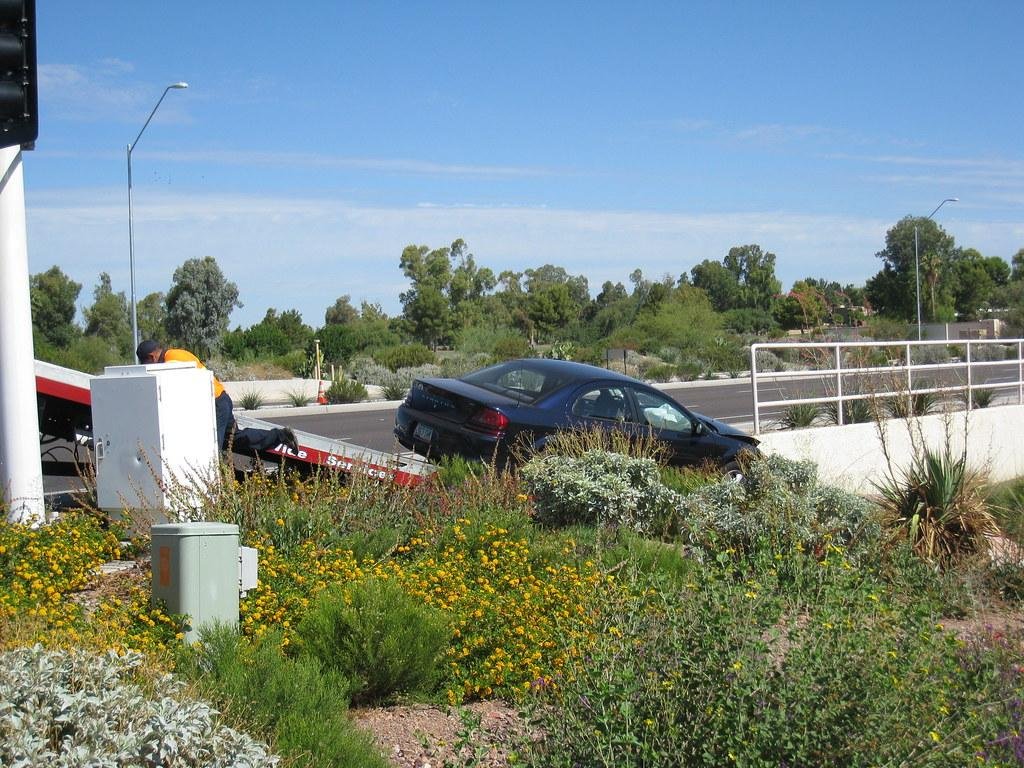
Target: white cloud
x,y
304,253
97,93
390,165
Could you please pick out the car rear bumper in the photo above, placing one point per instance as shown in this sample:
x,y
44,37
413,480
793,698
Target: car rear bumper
x,y
443,442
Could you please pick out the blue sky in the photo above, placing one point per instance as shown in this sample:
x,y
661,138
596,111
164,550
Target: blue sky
x,y
318,139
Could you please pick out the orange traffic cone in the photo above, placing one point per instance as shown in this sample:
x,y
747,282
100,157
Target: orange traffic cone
x,y
321,398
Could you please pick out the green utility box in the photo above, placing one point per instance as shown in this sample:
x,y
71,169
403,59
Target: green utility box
x,y
195,572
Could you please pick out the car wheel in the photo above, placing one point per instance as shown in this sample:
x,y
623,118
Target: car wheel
x,y
732,472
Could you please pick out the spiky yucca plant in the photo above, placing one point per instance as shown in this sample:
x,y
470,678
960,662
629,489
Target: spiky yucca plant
x,y
799,415
938,503
854,411
916,404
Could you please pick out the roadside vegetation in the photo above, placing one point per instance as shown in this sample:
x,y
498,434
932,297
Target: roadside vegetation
x,y
635,614
458,314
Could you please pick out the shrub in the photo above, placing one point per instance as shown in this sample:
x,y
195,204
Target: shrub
x,y
937,503
295,361
780,507
251,399
916,404
255,683
768,361
404,356
991,352
562,350
597,488
659,372
345,391
459,364
854,411
511,348
376,635
396,384
394,391
684,480
453,471
298,397
980,398
73,708
725,675
800,415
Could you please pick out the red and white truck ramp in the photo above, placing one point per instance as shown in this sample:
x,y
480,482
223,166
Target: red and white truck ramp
x,y
65,413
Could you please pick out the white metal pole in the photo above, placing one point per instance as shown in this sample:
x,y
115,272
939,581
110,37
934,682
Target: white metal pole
x,y
131,260
753,388
21,474
917,281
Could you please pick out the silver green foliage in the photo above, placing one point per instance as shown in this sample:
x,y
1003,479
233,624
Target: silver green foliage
x,y
62,709
768,361
598,488
782,504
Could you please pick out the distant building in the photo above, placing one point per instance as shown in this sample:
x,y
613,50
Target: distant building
x,y
974,329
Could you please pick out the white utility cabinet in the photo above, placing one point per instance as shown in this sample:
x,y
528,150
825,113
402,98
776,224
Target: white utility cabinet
x,y
155,437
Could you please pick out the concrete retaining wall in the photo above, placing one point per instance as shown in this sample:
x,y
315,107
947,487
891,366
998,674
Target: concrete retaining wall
x,y
853,458
277,392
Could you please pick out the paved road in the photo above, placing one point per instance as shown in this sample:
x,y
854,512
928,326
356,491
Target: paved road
x,y
729,400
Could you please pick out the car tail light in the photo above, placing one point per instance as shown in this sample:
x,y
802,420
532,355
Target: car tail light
x,y
489,420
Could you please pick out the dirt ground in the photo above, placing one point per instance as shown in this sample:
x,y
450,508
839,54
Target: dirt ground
x,y
427,737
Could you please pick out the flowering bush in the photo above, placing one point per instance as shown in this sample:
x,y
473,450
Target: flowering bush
x,y
43,569
598,488
508,609
40,567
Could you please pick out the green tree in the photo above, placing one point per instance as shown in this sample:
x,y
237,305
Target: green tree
x,y
468,287
199,305
893,290
340,343
550,308
53,295
754,270
549,274
803,307
1017,265
341,312
107,318
685,320
425,305
720,283
974,281
151,313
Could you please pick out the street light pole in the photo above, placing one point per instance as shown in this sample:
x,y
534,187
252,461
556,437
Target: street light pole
x,y
917,262
131,234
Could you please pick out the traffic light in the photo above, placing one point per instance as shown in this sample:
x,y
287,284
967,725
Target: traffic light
x,y
19,92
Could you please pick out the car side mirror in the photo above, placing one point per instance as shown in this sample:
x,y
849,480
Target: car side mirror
x,y
698,428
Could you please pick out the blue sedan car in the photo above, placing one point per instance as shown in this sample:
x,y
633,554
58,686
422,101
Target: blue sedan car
x,y
490,413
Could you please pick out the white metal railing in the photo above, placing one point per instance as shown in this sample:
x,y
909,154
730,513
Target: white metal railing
x,y
863,364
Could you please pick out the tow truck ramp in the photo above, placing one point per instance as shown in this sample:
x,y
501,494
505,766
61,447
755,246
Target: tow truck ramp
x,y
65,416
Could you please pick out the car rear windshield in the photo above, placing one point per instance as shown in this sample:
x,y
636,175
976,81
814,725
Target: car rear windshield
x,y
517,380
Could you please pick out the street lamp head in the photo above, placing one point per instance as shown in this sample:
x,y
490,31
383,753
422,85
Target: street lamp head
x,y
951,200
178,85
